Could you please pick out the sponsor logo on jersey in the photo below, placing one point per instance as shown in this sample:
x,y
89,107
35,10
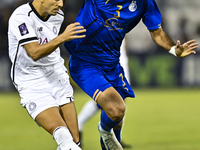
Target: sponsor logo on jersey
x,y
112,24
23,29
42,41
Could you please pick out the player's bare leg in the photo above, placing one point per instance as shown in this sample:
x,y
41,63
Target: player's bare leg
x,y
51,120
69,115
112,114
112,103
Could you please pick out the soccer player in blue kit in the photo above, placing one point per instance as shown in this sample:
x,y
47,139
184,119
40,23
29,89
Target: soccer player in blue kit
x,y
94,62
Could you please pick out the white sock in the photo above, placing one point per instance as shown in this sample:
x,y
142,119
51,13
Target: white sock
x,y
88,110
63,138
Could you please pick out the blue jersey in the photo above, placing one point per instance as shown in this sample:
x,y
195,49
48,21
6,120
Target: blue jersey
x,y
107,22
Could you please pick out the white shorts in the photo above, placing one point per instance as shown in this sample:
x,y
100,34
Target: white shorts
x,y
42,96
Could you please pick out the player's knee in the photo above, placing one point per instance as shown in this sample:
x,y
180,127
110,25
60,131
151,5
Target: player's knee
x,y
117,113
121,112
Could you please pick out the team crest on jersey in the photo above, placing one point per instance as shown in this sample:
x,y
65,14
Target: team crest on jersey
x,y
23,29
132,7
32,106
55,30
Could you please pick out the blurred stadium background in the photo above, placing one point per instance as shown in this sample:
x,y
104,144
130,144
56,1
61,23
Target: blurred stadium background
x,y
163,116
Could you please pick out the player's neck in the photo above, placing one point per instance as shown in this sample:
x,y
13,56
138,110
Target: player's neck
x,y
40,10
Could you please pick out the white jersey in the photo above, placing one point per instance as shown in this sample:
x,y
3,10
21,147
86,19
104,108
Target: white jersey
x,y
26,26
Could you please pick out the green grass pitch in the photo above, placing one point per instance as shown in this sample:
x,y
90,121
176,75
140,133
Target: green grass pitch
x,y
157,119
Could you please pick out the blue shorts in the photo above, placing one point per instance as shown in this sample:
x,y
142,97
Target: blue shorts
x,y
94,79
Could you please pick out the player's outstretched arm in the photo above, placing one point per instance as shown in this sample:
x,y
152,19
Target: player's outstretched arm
x,y
37,51
163,40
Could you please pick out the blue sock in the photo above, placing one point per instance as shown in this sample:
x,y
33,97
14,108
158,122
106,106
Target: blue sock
x,y
106,123
102,144
118,134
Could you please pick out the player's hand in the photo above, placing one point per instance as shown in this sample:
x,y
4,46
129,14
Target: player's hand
x,y
74,31
186,49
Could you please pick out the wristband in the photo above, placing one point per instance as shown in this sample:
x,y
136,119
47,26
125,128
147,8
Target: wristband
x,y
172,51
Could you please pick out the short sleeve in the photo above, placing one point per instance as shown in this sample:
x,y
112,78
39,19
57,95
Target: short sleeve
x,y
22,27
152,17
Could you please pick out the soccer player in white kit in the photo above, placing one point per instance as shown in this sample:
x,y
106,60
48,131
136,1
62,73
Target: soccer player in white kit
x,y
38,71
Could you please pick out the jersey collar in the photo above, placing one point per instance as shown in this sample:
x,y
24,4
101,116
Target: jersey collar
x,y
37,14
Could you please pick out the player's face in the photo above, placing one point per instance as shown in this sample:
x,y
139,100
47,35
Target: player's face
x,y
53,6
